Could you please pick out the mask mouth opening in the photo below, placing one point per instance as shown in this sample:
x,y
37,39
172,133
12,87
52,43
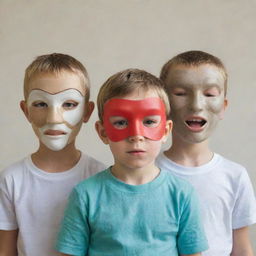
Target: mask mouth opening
x,y
196,123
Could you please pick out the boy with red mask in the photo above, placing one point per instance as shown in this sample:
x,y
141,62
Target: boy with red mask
x,y
133,207
196,83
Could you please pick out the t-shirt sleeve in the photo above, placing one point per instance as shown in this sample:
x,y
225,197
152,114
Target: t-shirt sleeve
x,y
7,210
73,236
191,237
244,213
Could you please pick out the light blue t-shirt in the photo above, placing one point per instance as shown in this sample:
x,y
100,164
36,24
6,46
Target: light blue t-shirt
x,y
106,217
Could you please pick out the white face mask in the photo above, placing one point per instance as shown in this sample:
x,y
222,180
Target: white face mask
x,y
56,118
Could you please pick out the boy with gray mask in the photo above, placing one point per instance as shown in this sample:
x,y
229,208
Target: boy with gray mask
x,y
196,83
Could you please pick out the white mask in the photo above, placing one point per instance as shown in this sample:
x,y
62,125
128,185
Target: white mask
x,y
56,117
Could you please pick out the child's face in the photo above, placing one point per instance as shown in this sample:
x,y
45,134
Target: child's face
x,y
197,100
134,127
56,108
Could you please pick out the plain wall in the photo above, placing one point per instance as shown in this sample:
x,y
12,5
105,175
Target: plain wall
x,y
108,36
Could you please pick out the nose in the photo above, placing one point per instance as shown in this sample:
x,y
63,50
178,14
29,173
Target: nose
x,y
54,116
196,102
136,138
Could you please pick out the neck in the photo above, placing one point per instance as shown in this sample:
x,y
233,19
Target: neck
x,y
56,161
134,176
189,154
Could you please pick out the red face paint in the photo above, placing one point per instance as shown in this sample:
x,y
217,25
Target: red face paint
x,y
136,114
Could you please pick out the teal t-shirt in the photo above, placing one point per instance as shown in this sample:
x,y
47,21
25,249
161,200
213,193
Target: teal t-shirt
x,y
106,217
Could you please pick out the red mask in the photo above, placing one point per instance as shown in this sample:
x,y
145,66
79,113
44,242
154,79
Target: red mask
x,y
134,112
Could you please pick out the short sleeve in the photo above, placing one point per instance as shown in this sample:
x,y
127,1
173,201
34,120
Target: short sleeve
x,y
7,210
191,237
244,213
73,236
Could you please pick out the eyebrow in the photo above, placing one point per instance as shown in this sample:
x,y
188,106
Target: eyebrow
x,y
186,86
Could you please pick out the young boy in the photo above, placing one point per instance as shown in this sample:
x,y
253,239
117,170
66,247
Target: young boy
x,y
196,83
132,208
33,191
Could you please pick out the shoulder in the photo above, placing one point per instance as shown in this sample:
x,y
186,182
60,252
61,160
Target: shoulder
x,y
233,170
178,186
92,165
14,170
92,183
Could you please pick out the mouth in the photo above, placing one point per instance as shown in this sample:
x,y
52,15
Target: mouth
x,y
54,133
196,123
136,152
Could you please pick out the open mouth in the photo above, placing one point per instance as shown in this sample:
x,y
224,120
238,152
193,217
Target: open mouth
x,y
196,123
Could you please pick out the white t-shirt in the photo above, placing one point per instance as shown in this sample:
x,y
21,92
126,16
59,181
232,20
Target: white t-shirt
x,y
226,196
33,201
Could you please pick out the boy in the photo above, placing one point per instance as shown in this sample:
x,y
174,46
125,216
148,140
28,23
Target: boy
x,y
132,208
33,192
196,83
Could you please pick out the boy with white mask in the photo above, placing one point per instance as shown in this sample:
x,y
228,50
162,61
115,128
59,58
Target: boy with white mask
x,y
33,192
196,83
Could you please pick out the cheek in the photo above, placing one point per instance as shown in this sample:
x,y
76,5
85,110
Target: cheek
x,y
37,117
73,117
215,106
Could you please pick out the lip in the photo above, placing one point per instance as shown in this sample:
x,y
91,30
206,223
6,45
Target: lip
x,y
198,125
136,152
54,133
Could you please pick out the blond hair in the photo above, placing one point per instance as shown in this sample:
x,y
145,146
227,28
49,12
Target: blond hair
x,y
56,63
193,58
127,81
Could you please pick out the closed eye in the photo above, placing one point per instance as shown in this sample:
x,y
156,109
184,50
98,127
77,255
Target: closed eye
x,y
178,92
212,92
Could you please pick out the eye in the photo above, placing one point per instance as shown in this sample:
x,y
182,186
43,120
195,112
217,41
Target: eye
x,y
119,122
212,92
151,121
69,105
39,104
179,92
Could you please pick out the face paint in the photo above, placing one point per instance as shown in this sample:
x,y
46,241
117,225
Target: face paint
x,y
197,101
56,118
124,118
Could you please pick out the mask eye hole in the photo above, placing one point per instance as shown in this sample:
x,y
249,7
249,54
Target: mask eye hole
x,y
39,104
152,121
69,105
119,122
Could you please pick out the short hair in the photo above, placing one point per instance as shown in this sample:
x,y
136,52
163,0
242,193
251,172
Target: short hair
x,y
193,58
55,63
127,81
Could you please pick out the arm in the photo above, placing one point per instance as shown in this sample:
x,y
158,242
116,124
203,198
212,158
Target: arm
x,y
8,242
241,242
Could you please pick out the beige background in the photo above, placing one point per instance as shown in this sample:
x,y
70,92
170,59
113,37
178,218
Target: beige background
x,y
108,36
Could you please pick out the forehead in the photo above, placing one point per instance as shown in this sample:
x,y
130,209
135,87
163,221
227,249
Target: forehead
x,y
56,83
140,94
195,76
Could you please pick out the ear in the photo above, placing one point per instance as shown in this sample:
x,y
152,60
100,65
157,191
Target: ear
x,y
24,108
225,104
88,111
101,132
168,128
